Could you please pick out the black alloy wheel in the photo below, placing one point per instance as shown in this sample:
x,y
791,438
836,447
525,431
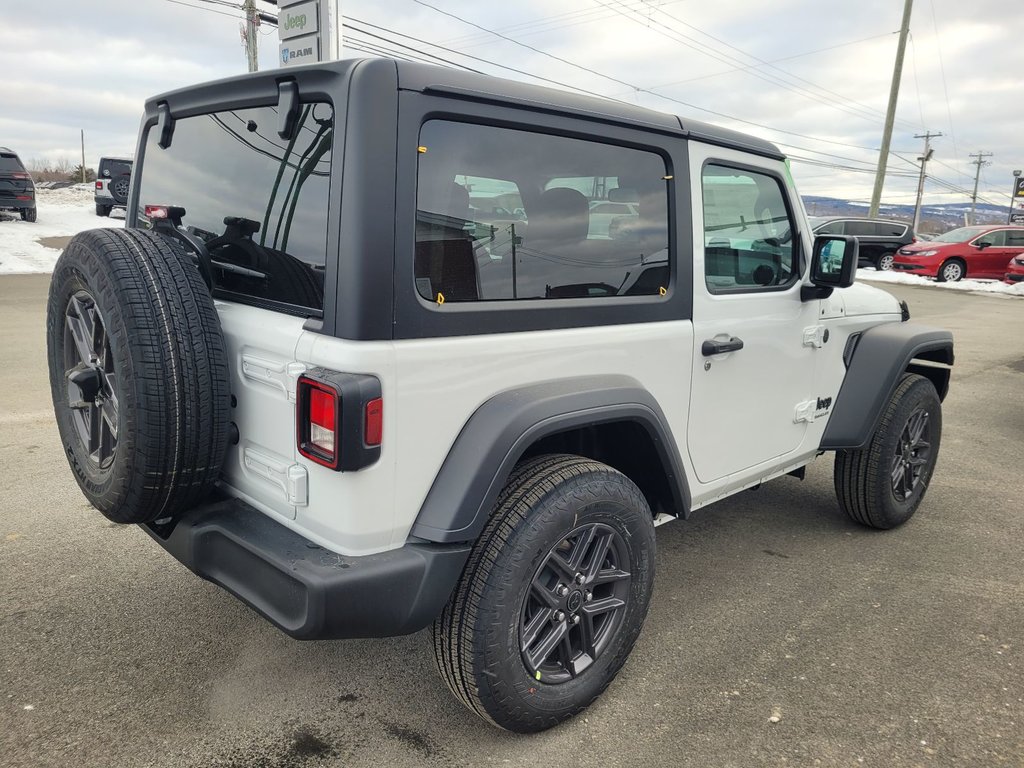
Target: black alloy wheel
x,y
913,452
119,188
576,601
91,379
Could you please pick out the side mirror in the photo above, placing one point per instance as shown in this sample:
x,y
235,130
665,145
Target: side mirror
x,y
834,261
982,245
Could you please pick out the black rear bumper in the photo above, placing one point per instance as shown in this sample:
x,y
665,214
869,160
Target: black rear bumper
x,y
307,591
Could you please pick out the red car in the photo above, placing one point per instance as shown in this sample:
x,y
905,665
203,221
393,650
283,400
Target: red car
x,y
1015,269
966,252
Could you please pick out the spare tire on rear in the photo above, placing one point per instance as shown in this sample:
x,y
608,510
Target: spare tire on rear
x,y
138,374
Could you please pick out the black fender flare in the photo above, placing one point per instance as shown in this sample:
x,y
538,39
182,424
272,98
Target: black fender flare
x,y
501,430
879,357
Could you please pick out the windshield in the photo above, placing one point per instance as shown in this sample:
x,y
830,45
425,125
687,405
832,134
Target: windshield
x,y
961,235
257,202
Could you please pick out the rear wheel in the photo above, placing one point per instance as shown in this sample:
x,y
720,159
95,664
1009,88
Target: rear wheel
x,y
882,485
28,214
952,271
885,262
138,374
553,596
103,210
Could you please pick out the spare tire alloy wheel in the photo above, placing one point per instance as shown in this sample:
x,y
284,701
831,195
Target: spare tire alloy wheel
x,y
119,188
91,381
553,597
138,374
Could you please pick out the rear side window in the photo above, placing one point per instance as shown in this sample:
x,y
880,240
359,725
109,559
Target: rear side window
x,y
258,202
885,229
505,214
10,162
748,231
861,228
1015,238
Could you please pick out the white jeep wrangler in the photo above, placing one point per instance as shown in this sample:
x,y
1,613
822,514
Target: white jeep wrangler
x,y
363,358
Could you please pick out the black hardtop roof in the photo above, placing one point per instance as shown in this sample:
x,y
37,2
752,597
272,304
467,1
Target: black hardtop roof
x,y
118,158
469,85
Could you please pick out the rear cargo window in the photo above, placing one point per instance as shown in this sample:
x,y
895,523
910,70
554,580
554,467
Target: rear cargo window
x,y
259,202
111,169
10,163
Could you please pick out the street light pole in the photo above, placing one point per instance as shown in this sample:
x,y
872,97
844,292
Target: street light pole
x,y
1017,190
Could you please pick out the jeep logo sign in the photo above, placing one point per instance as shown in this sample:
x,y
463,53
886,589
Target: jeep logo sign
x,y
305,31
298,20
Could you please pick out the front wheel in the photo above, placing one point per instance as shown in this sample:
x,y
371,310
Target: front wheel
x,y
553,596
952,271
882,485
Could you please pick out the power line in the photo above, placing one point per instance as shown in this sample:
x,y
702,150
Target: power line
x,y
204,8
843,105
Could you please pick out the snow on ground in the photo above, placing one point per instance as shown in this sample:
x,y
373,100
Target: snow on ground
x,y
61,213
974,286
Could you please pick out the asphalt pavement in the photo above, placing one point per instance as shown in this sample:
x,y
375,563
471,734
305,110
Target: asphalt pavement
x,y
780,633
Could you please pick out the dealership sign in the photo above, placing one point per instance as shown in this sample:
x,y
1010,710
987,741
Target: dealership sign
x,y
309,31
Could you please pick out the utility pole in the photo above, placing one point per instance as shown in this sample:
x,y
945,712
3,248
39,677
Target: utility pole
x,y
890,114
924,158
252,23
83,156
980,161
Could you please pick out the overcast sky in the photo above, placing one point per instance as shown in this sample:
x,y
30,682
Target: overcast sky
x,y
786,67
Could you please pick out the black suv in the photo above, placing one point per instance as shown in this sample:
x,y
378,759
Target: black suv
x,y
113,180
879,238
17,192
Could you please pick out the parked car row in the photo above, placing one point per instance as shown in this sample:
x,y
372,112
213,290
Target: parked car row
x,y
984,252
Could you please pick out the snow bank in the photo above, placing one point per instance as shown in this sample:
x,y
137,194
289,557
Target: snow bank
x,y
61,213
975,286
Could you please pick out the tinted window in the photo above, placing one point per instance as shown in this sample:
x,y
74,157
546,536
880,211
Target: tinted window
x,y
10,163
258,201
860,228
748,241
1015,238
110,169
832,228
890,229
508,214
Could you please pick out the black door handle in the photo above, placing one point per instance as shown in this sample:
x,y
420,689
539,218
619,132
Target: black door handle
x,y
716,347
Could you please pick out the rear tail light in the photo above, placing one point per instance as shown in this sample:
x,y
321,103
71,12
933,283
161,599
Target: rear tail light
x,y
340,419
99,185
20,175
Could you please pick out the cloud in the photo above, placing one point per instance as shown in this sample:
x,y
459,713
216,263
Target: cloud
x,y
776,70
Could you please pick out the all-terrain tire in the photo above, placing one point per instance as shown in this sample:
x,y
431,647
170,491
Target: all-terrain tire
x,y
874,485
546,511
103,210
138,374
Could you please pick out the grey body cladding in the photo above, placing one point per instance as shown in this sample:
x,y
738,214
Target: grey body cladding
x,y
373,297
881,355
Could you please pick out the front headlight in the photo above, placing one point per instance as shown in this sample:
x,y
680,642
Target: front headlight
x,y
923,253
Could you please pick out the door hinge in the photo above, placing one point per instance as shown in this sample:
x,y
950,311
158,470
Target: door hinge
x,y
278,375
805,411
815,336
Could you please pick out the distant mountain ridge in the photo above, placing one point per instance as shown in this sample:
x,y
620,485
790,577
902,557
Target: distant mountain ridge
x,y
934,218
